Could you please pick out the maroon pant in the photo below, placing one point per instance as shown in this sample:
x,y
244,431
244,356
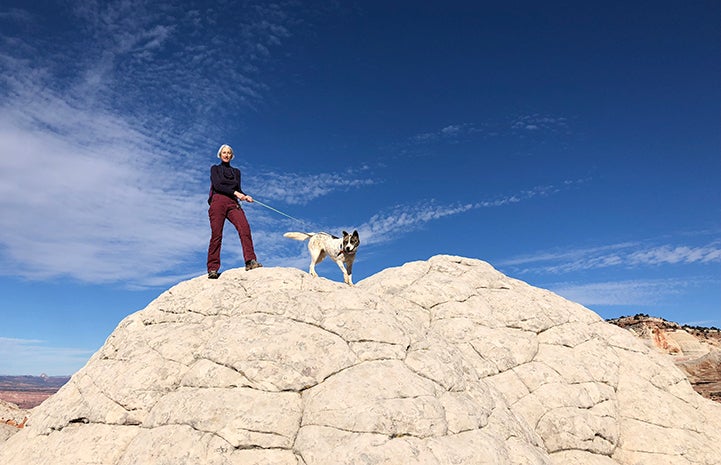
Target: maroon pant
x,y
222,208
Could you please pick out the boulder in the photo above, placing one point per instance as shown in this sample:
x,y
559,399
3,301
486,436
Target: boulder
x,y
445,361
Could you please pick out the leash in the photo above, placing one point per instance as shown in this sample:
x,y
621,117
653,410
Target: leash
x,y
278,211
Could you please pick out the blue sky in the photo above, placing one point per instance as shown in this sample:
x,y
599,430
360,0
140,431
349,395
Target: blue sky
x,y
573,145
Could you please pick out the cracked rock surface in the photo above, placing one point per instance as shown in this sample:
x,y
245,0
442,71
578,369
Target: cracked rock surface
x,y
445,361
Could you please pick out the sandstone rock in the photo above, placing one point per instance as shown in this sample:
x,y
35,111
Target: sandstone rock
x,y
12,419
445,361
697,351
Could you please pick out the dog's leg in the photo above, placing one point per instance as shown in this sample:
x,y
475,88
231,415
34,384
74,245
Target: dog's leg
x,y
349,267
315,258
346,275
311,270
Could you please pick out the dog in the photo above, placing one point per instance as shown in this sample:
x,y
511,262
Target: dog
x,y
341,250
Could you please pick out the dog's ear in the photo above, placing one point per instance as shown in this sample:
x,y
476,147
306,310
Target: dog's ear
x,y
355,234
345,234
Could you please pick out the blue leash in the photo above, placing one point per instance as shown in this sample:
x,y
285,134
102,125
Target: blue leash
x,y
278,211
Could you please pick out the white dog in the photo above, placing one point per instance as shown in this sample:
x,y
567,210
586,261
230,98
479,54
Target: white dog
x,y
340,250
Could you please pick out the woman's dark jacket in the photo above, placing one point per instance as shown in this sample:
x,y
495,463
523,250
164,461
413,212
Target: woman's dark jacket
x,y
224,180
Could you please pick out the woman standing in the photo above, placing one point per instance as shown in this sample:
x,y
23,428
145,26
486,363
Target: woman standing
x,y
225,193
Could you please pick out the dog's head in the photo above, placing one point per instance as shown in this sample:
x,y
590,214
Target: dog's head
x,y
350,243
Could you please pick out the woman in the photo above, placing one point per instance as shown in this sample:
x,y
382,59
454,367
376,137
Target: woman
x,y
225,193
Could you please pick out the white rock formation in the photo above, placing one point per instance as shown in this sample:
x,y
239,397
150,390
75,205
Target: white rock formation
x,y
440,362
12,418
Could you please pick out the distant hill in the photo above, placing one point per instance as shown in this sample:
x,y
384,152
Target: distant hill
x,y
694,349
29,391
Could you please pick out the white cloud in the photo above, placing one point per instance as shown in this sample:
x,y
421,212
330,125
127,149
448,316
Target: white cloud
x,y
539,122
28,356
538,191
160,60
384,226
626,254
519,127
631,292
83,194
403,218
531,123
451,133
563,255
300,189
676,254
98,185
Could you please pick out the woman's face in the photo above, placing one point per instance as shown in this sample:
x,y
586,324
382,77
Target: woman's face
x,y
226,154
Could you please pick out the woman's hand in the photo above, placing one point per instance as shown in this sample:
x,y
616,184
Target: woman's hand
x,y
243,197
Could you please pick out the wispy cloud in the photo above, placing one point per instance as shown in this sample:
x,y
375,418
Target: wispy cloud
x,y
158,60
630,292
567,255
406,217
16,14
626,254
107,138
537,122
389,224
29,356
676,254
86,192
300,189
523,125
379,227
449,133
97,183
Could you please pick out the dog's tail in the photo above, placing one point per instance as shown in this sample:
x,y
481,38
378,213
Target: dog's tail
x,y
298,236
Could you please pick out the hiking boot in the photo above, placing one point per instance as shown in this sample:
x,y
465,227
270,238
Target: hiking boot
x,y
251,265
213,274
